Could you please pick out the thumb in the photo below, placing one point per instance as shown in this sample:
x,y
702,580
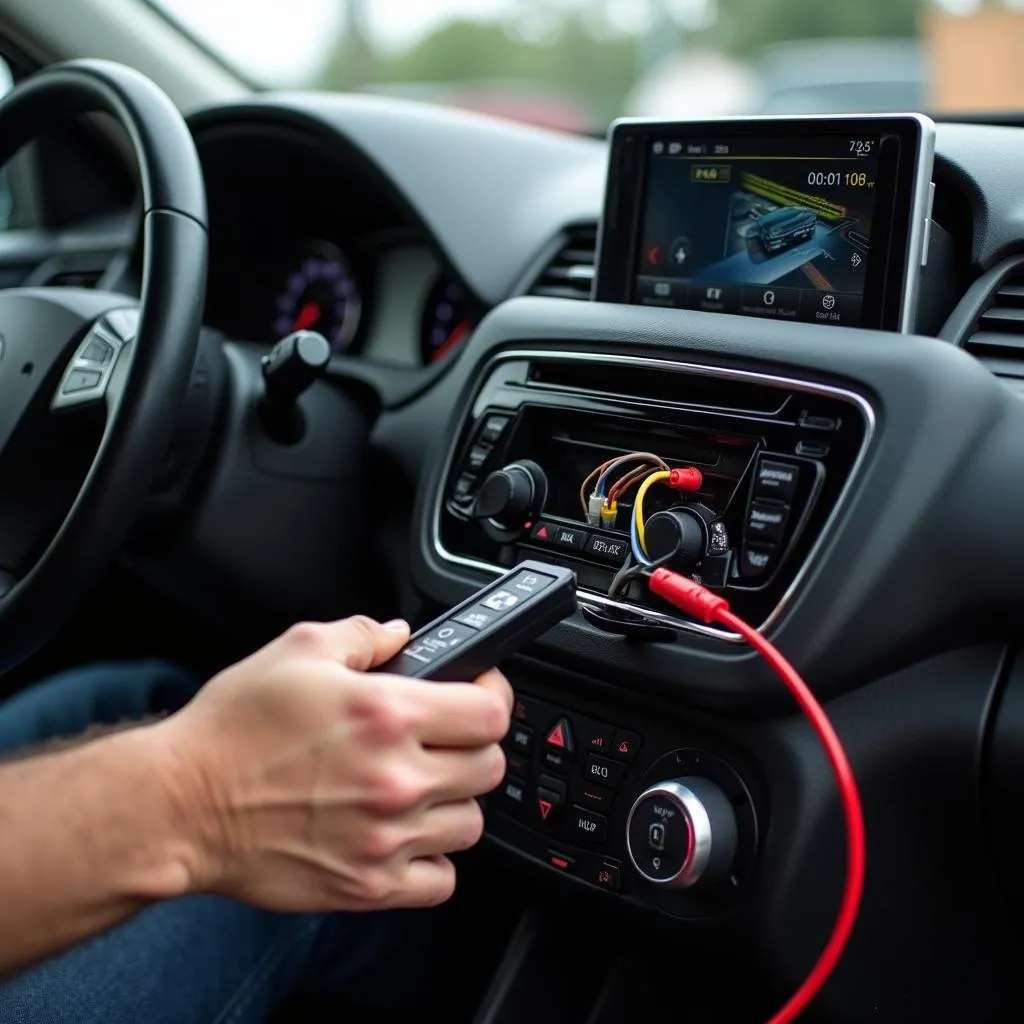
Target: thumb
x,y
361,643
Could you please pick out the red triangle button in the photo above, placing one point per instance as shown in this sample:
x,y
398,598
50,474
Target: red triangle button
x,y
542,533
560,736
546,807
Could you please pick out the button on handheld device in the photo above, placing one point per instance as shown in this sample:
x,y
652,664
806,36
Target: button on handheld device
x,y
489,627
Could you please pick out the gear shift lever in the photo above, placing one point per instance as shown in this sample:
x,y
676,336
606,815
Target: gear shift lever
x,y
291,367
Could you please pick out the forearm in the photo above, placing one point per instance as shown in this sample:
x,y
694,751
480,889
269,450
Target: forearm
x,y
89,836
62,743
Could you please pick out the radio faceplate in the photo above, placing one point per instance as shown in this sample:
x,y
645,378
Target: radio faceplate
x,y
777,457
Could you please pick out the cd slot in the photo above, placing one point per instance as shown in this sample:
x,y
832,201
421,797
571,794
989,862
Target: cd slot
x,y
639,385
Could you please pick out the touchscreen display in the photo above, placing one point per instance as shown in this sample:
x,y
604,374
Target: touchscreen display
x,y
772,227
823,220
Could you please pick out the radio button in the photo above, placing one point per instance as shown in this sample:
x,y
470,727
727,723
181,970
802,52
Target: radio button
x,y
625,745
766,523
492,428
478,456
561,861
596,737
607,549
558,536
520,737
464,487
588,826
549,797
603,772
605,875
756,562
812,449
513,792
776,480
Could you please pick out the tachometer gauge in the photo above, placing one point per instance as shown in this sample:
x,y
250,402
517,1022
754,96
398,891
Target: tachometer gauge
x,y
447,320
321,295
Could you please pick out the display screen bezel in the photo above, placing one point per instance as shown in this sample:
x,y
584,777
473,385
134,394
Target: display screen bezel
x,y
896,216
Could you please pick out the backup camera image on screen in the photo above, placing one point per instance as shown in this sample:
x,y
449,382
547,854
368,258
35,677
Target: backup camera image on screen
x,y
779,228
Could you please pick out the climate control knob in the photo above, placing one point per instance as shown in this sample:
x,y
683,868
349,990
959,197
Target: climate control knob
x,y
682,833
510,496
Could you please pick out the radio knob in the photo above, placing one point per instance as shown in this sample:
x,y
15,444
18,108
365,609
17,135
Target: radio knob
x,y
682,530
510,496
681,833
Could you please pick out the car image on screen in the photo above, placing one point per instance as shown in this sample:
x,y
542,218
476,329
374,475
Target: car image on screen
x,y
787,226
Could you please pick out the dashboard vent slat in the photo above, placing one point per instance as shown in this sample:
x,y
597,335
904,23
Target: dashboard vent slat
x,y
997,340
1011,295
1008,319
570,273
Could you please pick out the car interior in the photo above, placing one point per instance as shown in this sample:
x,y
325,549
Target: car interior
x,y
526,327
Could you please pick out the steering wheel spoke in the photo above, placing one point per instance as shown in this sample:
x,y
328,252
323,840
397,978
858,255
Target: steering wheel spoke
x,y
94,375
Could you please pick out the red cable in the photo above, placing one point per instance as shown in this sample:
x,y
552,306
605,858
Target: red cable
x,y
702,604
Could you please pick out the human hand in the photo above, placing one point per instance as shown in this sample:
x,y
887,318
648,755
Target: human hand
x,y
310,785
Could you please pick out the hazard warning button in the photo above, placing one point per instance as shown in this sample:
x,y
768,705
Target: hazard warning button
x,y
559,737
558,536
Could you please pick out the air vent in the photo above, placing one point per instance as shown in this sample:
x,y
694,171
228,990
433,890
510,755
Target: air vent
x,y
570,274
76,278
71,270
998,340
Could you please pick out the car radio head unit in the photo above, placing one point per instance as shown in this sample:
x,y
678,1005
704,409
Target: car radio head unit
x,y
816,219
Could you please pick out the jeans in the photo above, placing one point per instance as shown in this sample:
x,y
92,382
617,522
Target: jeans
x,y
203,958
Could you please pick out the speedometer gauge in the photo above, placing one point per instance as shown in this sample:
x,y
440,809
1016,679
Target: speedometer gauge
x,y
447,320
320,295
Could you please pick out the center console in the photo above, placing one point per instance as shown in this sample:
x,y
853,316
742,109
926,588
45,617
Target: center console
x,y
660,814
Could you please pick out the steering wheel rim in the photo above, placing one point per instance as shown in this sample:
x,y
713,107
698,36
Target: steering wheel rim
x,y
149,374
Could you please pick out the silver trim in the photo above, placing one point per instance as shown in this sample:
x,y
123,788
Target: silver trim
x,y
920,216
724,373
922,188
692,808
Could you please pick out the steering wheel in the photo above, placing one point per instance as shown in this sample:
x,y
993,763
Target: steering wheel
x,y
91,383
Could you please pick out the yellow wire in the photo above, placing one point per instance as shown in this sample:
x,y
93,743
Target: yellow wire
x,y
612,464
638,505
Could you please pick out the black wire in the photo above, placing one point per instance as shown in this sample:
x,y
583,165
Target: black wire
x,y
630,572
624,577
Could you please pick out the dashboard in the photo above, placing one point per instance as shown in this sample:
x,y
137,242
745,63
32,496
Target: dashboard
x,y
846,476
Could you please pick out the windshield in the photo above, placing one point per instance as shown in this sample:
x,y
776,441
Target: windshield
x,y
578,64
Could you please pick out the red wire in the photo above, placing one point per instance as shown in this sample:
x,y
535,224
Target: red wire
x,y
707,606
